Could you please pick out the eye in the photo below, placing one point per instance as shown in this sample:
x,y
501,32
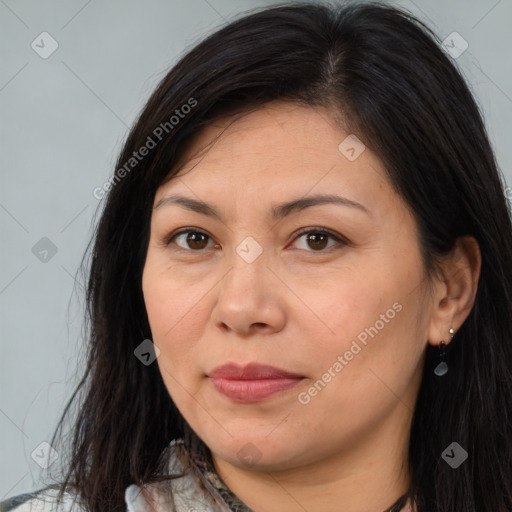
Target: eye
x,y
189,238
317,238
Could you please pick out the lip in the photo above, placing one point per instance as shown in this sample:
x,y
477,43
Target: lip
x,y
253,382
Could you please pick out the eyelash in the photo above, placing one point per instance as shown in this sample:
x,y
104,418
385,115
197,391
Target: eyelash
x,y
304,231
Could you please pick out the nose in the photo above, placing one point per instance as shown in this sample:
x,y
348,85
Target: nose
x,y
249,298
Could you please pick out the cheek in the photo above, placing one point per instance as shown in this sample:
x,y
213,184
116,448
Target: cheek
x,y
371,360
175,316
174,319
368,324
346,310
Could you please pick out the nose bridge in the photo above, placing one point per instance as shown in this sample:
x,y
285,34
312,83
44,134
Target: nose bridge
x,y
247,265
245,296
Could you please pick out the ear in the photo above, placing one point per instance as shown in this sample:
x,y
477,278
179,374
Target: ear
x,y
455,289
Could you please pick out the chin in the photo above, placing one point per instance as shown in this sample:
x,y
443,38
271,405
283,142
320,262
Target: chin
x,y
257,452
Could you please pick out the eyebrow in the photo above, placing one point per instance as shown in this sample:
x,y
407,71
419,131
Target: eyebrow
x,y
278,212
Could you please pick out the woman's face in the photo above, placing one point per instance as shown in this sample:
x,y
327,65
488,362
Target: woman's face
x,y
346,313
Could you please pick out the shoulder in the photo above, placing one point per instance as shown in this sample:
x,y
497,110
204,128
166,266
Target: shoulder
x,y
42,500
187,490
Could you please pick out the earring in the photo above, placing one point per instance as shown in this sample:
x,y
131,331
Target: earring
x,y
442,368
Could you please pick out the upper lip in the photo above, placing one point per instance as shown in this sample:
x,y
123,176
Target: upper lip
x,y
250,371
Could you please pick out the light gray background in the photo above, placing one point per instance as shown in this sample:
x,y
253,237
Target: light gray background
x,y
63,120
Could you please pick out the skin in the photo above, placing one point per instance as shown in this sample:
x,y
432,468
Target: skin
x,y
298,306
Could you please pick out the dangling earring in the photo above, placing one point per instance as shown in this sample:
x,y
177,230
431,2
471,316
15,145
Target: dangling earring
x,y
442,368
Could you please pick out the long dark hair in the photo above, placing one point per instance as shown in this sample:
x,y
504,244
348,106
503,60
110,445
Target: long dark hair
x,y
384,76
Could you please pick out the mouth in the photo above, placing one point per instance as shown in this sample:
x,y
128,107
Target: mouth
x,y
253,382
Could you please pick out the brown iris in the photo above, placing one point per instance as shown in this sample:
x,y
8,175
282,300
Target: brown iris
x,y
319,239
197,238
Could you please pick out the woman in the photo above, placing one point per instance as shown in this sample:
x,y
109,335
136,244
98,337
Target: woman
x,y
299,294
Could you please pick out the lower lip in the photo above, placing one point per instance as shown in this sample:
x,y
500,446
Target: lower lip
x,y
252,390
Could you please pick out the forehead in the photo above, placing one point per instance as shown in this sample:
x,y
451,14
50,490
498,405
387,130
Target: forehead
x,y
285,129
280,142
